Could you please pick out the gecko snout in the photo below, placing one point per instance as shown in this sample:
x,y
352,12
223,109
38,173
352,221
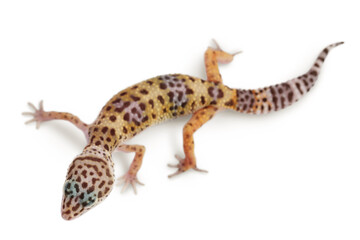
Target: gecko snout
x,y
76,200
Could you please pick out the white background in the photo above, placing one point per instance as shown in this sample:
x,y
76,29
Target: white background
x,y
292,174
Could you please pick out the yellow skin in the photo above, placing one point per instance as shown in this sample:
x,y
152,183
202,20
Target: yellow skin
x,y
90,177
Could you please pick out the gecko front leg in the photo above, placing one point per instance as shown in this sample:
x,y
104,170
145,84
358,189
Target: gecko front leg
x,y
130,177
39,116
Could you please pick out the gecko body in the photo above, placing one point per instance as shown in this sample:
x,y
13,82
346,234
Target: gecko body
x,y
90,176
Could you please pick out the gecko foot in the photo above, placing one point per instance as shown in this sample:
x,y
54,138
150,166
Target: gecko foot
x,y
220,49
129,179
181,166
38,114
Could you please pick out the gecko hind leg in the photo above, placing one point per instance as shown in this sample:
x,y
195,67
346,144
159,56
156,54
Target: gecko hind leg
x,y
39,116
130,177
197,120
212,56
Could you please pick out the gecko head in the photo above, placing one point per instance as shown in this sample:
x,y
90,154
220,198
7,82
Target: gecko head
x,y
89,181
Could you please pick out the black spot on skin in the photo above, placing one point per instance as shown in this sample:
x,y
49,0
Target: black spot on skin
x,y
252,102
202,100
112,118
125,130
145,119
210,91
305,83
161,99
220,94
151,102
142,106
286,86
180,96
123,93
290,96
135,98
116,101
104,129
162,86
127,117
298,87
184,104
82,195
144,91
136,122
275,99
272,91
189,91
112,132
91,189
313,73
171,96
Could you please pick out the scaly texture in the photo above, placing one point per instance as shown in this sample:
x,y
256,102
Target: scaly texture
x,y
90,177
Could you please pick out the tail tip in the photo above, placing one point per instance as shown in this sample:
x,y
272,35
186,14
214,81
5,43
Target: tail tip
x,y
338,43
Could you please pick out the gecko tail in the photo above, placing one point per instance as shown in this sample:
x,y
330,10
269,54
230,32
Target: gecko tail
x,y
279,96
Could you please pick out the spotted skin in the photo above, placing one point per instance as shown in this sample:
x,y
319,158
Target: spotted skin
x,y
279,96
90,176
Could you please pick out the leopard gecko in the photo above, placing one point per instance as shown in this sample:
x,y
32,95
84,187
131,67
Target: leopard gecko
x,y
90,176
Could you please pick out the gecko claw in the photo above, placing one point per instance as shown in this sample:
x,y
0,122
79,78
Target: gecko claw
x,y
129,179
38,114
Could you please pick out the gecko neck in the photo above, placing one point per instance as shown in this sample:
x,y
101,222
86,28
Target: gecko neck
x,y
96,151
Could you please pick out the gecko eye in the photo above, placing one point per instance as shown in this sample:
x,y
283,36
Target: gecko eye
x,y
89,202
71,189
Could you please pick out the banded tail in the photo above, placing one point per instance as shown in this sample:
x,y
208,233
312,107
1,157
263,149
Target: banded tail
x,y
281,95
